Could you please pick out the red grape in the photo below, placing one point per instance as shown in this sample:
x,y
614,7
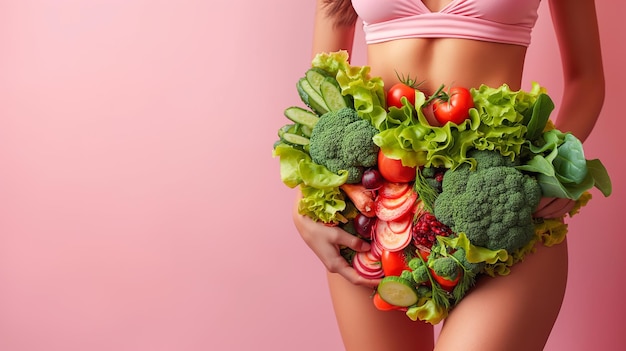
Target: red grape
x,y
363,225
372,179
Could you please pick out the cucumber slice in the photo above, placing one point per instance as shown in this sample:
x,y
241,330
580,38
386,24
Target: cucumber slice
x,y
301,116
397,291
285,129
316,76
311,97
306,131
331,92
295,139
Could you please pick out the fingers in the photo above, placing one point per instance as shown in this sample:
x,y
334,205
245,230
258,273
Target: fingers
x,y
342,238
342,268
325,242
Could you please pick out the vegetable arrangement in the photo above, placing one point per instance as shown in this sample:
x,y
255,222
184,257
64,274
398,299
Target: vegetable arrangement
x,y
440,204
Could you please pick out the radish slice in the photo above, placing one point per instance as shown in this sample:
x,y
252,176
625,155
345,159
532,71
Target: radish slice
x,y
391,190
395,202
376,250
389,240
390,214
366,266
400,225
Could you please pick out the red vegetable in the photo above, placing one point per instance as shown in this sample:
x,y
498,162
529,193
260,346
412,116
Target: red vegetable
x,y
383,305
405,88
391,209
367,265
393,170
389,240
394,262
453,106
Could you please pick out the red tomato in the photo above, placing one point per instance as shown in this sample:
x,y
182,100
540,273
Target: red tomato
x,y
397,91
394,262
445,284
453,106
394,171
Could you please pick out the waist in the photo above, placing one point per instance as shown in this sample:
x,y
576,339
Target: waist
x,y
433,62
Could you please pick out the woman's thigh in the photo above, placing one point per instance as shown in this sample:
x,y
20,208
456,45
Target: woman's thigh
x,y
514,312
364,328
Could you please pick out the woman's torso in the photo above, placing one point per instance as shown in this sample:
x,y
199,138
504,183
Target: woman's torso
x,y
449,61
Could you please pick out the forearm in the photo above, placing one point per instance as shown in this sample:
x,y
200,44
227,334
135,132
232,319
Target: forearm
x,y
580,106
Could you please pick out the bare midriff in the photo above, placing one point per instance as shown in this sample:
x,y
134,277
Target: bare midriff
x,y
452,62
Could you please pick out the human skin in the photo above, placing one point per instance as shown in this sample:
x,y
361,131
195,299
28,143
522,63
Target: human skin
x,y
515,312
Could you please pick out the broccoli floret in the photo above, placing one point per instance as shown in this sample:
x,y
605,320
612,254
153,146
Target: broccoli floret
x,y
460,256
492,204
415,262
420,274
342,140
408,275
446,267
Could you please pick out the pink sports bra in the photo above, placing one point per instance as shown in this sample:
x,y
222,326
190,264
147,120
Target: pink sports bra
x,y
501,21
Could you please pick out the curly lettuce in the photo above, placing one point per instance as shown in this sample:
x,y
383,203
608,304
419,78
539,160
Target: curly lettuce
x,y
355,81
497,122
321,198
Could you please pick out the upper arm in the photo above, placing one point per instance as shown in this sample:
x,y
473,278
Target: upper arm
x,y
576,28
329,36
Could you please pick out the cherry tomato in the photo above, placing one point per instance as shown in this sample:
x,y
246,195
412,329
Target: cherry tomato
x,y
393,262
397,91
394,171
453,106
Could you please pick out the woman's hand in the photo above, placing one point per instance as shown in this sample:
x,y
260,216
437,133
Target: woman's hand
x,y
325,242
553,207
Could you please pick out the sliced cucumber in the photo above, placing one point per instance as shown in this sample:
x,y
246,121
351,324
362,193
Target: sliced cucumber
x,y
331,92
302,116
285,129
306,131
397,291
295,139
311,97
316,76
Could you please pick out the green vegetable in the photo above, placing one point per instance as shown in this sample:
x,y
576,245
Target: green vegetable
x,y
311,97
492,204
342,141
322,199
367,92
301,116
559,164
420,274
429,311
446,267
471,268
497,122
333,97
397,291
323,205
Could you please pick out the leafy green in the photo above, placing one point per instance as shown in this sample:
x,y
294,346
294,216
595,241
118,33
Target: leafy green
x,y
322,200
561,169
368,92
322,204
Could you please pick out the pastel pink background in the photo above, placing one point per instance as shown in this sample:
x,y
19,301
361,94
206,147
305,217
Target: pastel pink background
x,y
140,207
